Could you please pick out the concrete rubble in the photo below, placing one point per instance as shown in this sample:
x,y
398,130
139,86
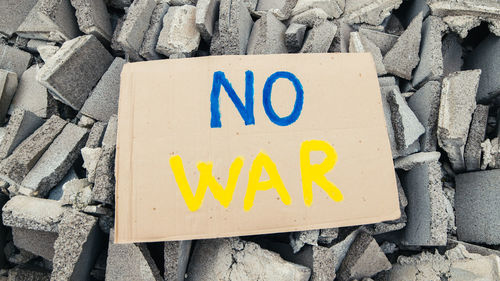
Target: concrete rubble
x,y
267,36
93,18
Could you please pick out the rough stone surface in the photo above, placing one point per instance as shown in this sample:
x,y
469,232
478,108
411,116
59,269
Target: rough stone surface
x,y
408,162
235,259
310,18
109,138
77,193
93,18
26,273
40,243
384,41
294,37
327,235
282,9
179,34
96,135
176,256
14,60
57,192
55,162
452,54
458,101
75,69
319,38
369,11
331,7
206,16
267,37
15,167
8,86
103,101
477,133
104,184
360,44
46,52
148,48
11,16
476,200
21,125
91,157
403,57
301,238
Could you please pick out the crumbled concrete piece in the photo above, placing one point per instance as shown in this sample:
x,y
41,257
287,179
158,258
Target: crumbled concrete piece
x,y
130,262
452,54
85,122
96,135
77,193
282,9
50,20
24,273
32,213
206,16
234,259
331,7
407,128
476,197
148,47
75,69
57,192
341,39
15,167
8,86
267,37
301,238
12,14
408,162
425,104
485,57
103,101
179,33
387,81
93,18
403,57
176,256
40,243
472,248
458,101
327,235
461,24
383,41
369,11
360,44
55,162
232,30
77,247
319,38
46,52
32,96
388,247
109,139
294,37
491,154
129,35
251,5
104,183
431,56
21,124
477,133
98,210
364,259
91,157
426,206
13,59
310,18
33,44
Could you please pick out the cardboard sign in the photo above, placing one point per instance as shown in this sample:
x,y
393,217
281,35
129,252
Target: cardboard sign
x,y
241,145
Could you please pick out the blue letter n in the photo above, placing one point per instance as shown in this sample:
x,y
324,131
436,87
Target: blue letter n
x,y
246,111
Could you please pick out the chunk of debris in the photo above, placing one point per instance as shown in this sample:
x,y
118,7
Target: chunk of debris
x,y
360,44
206,16
8,86
282,9
179,34
294,37
368,11
93,18
452,54
46,52
75,69
407,163
176,256
28,273
22,124
13,59
327,235
267,37
77,193
57,192
319,38
104,183
32,213
477,133
331,7
40,243
301,238
403,57
109,138
96,135
458,101
11,16
91,157
382,40
310,18
148,47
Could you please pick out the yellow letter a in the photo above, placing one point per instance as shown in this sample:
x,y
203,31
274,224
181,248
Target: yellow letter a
x,y
207,180
264,161
316,172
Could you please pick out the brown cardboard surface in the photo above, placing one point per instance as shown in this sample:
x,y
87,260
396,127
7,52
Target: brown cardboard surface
x,y
164,110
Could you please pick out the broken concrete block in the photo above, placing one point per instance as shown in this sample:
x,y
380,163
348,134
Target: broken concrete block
x,y
14,60
364,259
301,238
57,192
491,154
109,139
77,193
267,37
33,44
32,213
11,16
408,162
360,44
331,7
85,121
21,125
452,54
96,134
27,273
103,101
130,33
368,11
91,157
55,162
431,56
15,167
477,133
75,69
383,41
93,18
32,96
8,86
234,259
310,18
294,37
485,57
327,235
77,247
130,262
407,128
426,206
148,47
319,38
176,256
476,197
425,104
40,243
461,24
206,16
179,34
46,52
282,9
403,57
458,101
104,183
51,21
232,30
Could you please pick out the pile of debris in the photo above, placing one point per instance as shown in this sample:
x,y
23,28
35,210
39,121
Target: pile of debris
x,y
439,71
